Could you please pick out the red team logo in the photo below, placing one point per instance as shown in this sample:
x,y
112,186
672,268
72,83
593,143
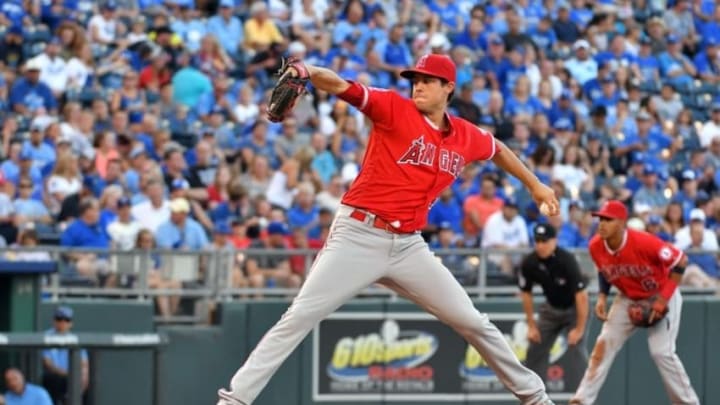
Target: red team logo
x,y
421,153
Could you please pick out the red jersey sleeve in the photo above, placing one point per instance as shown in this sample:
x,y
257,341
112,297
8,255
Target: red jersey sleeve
x,y
379,105
659,252
484,143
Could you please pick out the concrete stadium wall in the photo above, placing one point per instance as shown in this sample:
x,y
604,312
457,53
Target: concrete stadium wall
x,y
199,360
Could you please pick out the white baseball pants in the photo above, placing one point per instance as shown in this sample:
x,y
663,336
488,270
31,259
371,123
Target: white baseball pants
x,y
357,255
661,342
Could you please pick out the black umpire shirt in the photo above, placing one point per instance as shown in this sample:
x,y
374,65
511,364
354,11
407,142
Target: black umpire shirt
x,y
559,276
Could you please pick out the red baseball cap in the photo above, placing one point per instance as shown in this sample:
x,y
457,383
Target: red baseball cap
x,y
435,65
612,209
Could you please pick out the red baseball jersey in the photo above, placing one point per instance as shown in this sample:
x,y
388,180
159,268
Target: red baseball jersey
x,y
640,267
409,161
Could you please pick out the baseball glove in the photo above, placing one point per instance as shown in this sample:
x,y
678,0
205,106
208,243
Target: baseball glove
x,y
288,89
640,311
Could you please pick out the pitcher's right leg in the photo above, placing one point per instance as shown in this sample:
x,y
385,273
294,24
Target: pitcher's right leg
x,y
354,257
615,331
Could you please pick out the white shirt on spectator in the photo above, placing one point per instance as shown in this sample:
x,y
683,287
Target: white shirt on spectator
x,y
709,131
105,28
77,73
246,113
683,241
582,71
572,176
53,72
123,234
277,191
61,185
327,200
6,206
150,217
499,231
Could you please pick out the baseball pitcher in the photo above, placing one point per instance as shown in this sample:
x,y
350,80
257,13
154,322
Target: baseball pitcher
x,y
416,149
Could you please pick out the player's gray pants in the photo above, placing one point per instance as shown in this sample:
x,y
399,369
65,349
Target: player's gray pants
x,y
357,255
661,342
551,322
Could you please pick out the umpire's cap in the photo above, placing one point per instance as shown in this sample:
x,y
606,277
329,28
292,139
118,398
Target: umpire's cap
x,y
440,66
543,232
612,209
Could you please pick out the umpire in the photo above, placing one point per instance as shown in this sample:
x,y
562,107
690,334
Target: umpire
x,y
566,307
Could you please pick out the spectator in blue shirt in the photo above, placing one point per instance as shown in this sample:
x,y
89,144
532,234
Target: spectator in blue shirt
x,y
521,102
543,35
29,95
20,392
41,153
227,28
259,144
86,232
567,31
304,213
677,68
56,362
494,60
609,95
562,108
394,52
512,70
181,232
449,13
473,37
707,62
446,210
189,27
353,25
648,64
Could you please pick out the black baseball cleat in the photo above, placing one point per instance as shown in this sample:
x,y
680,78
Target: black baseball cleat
x,y
227,399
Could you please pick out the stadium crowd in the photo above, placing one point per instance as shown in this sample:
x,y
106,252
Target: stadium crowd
x,y
136,124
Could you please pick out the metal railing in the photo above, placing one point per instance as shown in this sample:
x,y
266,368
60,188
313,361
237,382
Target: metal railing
x,y
206,276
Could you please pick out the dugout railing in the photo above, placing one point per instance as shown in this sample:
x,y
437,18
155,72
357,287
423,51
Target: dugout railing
x,y
206,276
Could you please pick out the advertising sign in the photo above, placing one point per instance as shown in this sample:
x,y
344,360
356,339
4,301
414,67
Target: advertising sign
x,y
370,356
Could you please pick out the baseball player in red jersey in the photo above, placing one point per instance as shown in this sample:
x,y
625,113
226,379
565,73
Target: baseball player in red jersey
x,y
641,266
416,149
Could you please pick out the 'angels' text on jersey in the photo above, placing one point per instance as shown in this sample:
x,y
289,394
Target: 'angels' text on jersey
x,y
423,153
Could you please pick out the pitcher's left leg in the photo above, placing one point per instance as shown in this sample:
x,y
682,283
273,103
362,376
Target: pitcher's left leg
x,y
661,342
419,276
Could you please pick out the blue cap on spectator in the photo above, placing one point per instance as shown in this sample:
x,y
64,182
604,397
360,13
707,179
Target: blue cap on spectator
x,y
711,41
563,124
509,201
577,204
603,64
486,120
135,117
55,41
64,313
25,154
15,29
277,228
649,169
222,228
124,202
519,49
672,39
496,40
654,219
645,40
179,184
227,3
715,106
110,5
607,79
639,158
566,94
